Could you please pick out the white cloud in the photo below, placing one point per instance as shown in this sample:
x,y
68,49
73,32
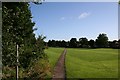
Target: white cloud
x,y
62,18
83,15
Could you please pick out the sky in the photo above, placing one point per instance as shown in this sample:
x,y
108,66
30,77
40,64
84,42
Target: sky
x,y
66,20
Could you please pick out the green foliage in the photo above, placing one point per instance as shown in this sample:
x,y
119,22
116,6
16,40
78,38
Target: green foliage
x,y
92,43
18,29
54,43
73,42
40,69
83,42
102,40
17,21
9,72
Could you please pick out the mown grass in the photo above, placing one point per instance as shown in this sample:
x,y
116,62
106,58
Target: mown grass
x,y
53,55
92,63
87,63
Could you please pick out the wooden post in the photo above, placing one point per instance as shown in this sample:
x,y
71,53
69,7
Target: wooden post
x,y
17,64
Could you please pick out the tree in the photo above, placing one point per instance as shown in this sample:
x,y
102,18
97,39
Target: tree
x,y
102,41
53,43
91,43
63,43
17,26
83,42
17,29
119,43
73,43
58,43
114,44
49,43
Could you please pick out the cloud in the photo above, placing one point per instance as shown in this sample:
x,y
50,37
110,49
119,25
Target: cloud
x,y
62,18
83,15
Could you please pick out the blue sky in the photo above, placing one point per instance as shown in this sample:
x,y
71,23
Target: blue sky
x,y
65,20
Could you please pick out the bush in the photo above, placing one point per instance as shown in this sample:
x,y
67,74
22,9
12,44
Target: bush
x,y
40,69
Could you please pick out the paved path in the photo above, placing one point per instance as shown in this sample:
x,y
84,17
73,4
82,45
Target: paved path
x,y
59,70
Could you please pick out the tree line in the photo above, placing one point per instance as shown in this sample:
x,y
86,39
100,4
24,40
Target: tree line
x,y
100,42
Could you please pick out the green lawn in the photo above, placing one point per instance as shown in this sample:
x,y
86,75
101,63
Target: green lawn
x,y
92,63
53,55
87,63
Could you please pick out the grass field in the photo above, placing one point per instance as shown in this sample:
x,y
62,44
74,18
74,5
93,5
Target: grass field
x,y
53,55
92,63
87,63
